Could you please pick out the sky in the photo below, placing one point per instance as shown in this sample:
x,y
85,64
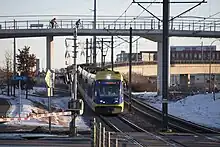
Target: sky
x,y
54,8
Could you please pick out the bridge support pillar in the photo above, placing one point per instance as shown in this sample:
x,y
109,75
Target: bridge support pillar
x,y
160,68
184,81
49,52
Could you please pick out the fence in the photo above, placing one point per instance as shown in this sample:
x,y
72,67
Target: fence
x,y
102,138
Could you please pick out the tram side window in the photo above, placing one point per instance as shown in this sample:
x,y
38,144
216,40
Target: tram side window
x,y
182,55
186,56
213,56
195,55
217,55
190,56
200,56
173,55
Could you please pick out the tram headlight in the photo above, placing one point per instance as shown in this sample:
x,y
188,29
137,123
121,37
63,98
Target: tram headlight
x,y
101,101
116,100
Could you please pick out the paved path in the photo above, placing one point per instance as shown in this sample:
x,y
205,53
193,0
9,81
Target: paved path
x,y
4,106
46,142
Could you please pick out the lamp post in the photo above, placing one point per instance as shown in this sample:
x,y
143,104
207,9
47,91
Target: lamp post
x,y
210,68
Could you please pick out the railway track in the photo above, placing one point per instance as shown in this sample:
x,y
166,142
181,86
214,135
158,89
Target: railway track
x,y
127,128
147,111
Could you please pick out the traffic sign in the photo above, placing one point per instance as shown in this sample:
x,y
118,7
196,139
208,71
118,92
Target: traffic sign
x,y
50,79
19,78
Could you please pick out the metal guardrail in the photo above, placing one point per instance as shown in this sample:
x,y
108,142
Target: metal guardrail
x,y
184,24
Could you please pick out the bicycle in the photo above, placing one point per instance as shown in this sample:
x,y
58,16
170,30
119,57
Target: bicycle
x,y
55,26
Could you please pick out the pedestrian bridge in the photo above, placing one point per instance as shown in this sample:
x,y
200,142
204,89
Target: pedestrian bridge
x,y
147,27
150,68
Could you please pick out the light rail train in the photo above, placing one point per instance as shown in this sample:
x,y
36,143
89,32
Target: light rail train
x,y
102,89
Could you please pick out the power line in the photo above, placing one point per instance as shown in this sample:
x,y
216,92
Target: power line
x,y
141,12
204,18
121,14
187,10
148,10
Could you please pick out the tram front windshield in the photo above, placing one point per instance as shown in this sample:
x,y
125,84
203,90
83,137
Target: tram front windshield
x,y
108,89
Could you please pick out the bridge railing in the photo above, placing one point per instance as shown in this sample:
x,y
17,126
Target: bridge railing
x,y
149,23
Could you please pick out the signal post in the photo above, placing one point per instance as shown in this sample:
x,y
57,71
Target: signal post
x,y
75,105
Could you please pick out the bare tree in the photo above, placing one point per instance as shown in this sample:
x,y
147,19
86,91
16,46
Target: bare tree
x,y
7,71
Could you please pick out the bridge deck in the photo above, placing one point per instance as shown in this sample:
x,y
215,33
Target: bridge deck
x,y
188,27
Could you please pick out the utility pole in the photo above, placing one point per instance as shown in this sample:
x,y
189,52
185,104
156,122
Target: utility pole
x,y
87,51
91,52
210,64
7,72
203,64
112,53
72,105
14,65
74,96
137,51
94,37
102,44
165,51
102,50
130,62
165,59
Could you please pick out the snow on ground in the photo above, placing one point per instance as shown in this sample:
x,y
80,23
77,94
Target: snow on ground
x,y
29,106
201,108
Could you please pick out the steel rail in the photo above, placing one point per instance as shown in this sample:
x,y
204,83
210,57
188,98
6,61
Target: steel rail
x,y
174,122
112,122
138,105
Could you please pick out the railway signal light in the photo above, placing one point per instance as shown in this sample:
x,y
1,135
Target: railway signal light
x,y
76,106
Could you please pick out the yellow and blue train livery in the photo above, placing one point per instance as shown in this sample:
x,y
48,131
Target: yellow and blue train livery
x,y
103,90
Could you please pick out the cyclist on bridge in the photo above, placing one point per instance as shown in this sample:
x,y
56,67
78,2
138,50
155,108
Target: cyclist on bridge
x,y
53,22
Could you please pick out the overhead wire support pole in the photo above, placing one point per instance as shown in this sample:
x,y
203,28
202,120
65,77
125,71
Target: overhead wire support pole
x,y
14,65
130,62
102,65
177,2
112,52
87,51
165,63
102,49
94,37
75,81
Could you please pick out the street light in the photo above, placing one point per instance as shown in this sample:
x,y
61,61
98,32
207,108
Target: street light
x,y
210,66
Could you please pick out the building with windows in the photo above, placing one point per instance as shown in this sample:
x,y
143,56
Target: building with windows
x,y
194,53
124,57
178,54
